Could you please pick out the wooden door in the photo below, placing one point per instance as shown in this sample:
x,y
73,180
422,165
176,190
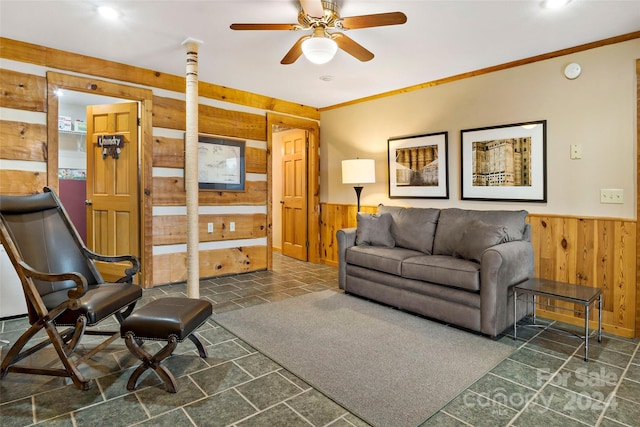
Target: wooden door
x,y
112,184
294,195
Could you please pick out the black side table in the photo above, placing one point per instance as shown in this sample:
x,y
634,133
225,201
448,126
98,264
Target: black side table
x,y
552,290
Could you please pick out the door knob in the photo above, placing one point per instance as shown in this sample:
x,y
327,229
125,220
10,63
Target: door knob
x,y
282,202
88,202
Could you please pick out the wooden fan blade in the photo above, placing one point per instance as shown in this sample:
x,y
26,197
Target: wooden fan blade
x,y
295,52
352,47
312,8
376,20
264,26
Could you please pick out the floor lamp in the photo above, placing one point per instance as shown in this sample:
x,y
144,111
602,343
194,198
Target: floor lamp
x,y
358,171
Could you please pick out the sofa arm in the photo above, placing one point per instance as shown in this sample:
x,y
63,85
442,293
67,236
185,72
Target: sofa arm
x,y
346,238
502,266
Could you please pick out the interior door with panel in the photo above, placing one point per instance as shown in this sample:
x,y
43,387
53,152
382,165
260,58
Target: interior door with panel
x,y
112,183
294,195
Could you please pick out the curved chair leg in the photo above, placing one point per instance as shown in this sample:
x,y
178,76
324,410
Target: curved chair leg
x,y
70,366
16,354
123,314
201,350
154,362
13,355
81,326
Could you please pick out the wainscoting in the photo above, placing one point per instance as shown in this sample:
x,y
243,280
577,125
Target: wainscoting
x,y
583,250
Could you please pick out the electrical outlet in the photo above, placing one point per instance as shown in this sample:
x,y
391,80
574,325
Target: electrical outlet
x,y
210,227
611,195
576,151
232,226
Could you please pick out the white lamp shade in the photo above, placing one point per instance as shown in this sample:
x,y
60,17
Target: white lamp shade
x,y
319,50
358,171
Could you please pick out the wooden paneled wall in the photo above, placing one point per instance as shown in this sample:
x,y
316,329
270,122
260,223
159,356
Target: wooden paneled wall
x,y
169,191
22,139
598,252
60,60
588,251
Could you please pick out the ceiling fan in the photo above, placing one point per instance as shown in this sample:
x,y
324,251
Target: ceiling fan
x,y
319,16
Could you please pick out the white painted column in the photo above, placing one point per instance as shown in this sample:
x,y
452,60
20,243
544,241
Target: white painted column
x,y
191,167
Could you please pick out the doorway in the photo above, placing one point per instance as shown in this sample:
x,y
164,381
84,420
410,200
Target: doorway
x,y
289,158
141,176
98,185
72,152
304,223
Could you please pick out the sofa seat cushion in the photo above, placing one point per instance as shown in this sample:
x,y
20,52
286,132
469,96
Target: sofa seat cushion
x,y
412,287
444,270
379,258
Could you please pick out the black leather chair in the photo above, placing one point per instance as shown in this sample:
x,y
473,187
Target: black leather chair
x,y
64,291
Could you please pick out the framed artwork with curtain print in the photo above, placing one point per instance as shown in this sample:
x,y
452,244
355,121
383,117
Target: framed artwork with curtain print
x,y
418,166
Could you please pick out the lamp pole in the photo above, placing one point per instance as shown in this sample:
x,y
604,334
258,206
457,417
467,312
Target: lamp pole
x,y
358,189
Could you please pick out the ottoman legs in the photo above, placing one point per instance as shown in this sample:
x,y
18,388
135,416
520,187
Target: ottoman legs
x,y
201,350
154,361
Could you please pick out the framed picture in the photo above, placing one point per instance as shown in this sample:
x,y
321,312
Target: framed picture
x,y
507,162
221,164
418,166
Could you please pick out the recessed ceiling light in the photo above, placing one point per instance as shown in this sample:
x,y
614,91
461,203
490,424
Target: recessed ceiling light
x,y
108,12
554,4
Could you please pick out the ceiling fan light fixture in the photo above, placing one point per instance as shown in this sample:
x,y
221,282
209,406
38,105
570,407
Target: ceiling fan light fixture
x,y
554,4
319,50
108,12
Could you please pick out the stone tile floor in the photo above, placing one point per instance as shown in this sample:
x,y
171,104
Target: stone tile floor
x,y
543,382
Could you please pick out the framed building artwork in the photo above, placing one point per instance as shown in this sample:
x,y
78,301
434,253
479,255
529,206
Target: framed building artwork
x,y
221,164
418,166
507,162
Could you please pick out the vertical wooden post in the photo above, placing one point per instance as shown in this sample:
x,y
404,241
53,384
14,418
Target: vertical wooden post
x,y
191,167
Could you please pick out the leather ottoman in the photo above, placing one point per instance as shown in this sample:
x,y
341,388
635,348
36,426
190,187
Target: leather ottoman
x,y
164,319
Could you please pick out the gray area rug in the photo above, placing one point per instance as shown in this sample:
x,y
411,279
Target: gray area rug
x,y
388,367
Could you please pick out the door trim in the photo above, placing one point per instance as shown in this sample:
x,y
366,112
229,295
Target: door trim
x,y
145,147
313,182
638,199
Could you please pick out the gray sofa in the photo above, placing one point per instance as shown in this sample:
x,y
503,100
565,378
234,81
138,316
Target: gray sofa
x,y
453,265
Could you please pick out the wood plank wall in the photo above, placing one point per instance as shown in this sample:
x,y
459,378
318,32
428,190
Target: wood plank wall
x,y
169,191
22,140
25,141
588,251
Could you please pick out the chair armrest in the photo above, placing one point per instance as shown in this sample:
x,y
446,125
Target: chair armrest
x,y
73,294
346,238
129,272
502,266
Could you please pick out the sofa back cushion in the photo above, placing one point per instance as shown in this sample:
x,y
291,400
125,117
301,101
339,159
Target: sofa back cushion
x,y
477,238
412,228
374,230
453,222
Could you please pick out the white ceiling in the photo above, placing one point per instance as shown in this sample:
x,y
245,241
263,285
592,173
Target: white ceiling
x,y
441,38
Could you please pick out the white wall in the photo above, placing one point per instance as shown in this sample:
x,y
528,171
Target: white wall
x,y
597,110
